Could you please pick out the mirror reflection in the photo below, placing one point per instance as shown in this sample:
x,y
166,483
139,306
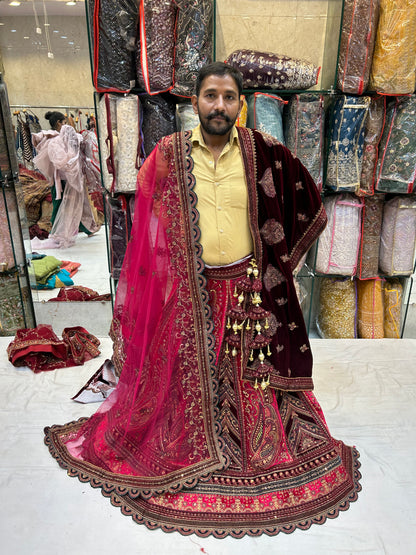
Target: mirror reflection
x,y
46,67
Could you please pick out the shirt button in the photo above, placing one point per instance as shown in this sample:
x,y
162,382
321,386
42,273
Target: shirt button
x,y
219,208
221,231
217,184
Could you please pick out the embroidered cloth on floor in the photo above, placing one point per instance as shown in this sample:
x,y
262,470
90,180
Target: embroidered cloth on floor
x,y
213,428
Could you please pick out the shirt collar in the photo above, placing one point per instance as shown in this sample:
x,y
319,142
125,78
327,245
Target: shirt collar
x,y
198,138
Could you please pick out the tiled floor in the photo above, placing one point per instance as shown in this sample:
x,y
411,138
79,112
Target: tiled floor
x,y
367,389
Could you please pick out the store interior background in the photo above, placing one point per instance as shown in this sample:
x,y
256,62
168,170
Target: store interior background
x,y
307,28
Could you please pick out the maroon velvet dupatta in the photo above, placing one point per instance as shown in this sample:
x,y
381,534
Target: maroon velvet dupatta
x,y
158,436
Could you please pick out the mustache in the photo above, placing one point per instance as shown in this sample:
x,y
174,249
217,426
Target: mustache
x,y
220,114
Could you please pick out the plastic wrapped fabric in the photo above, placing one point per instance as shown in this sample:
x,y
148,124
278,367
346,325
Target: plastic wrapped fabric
x,y
393,69
265,70
158,119
338,246
194,43
336,314
396,167
242,118
119,123
186,119
304,132
370,315
113,29
393,298
119,226
156,47
398,236
372,134
358,34
346,128
372,217
265,113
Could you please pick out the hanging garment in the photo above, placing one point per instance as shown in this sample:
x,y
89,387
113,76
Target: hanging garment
x,y
372,217
159,119
398,236
338,246
336,315
265,113
113,29
346,139
265,70
91,167
194,43
358,34
396,168
119,123
156,45
370,314
304,124
193,438
393,69
373,130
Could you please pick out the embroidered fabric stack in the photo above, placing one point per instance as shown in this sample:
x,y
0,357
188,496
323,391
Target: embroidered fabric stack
x,y
393,68
372,218
265,113
186,119
358,33
396,169
119,120
372,133
119,226
339,243
266,70
398,236
336,315
370,315
113,37
158,120
346,139
194,43
392,298
304,132
156,45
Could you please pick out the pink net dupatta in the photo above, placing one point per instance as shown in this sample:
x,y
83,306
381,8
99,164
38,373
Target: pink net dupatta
x,y
157,430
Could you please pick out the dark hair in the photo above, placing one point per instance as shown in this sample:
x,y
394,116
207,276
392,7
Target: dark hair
x,y
54,117
222,69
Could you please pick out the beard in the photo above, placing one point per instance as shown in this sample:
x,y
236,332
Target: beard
x,y
216,128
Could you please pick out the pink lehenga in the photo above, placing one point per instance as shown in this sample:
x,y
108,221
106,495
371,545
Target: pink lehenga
x,y
213,428
59,159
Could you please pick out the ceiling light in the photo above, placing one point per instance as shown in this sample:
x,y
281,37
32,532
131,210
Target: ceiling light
x,y
71,3
14,3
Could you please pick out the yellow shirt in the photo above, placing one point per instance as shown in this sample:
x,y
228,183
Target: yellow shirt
x,y
222,201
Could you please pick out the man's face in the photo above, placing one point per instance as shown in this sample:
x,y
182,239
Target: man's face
x,y
218,104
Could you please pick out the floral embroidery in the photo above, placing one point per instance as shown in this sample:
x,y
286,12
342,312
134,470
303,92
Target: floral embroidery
x,y
285,258
304,348
278,165
302,217
270,140
272,277
267,183
281,301
299,185
272,232
279,348
292,326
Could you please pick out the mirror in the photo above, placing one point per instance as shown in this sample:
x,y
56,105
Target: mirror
x,y
46,67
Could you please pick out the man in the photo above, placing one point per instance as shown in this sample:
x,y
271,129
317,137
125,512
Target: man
x,y
213,427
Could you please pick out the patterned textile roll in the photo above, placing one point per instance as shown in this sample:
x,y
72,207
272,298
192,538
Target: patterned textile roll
x,y
398,236
156,47
372,133
370,315
113,37
159,119
358,34
393,69
370,236
396,168
304,132
119,122
265,113
194,43
265,70
336,315
339,243
346,129
11,308
186,119
393,296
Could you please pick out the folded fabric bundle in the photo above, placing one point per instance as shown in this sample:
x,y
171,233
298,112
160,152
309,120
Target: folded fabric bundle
x,y
393,297
79,293
59,279
265,70
44,267
370,314
336,315
41,349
